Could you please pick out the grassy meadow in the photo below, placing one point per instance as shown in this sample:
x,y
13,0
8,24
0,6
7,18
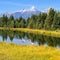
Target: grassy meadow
x,y
9,51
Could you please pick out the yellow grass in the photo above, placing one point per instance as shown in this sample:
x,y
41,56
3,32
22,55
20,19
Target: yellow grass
x,y
10,51
35,31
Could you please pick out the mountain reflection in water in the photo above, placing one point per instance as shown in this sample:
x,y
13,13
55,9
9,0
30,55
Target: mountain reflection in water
x,y
28,38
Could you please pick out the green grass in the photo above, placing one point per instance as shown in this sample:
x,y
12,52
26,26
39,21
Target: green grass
x,y
9,51
35,31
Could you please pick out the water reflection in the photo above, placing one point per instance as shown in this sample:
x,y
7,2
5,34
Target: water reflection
x,y
28,38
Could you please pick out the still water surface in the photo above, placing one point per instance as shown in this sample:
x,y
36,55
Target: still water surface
x,y
28,39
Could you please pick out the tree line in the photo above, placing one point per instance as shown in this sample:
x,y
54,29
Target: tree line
x,y
48,21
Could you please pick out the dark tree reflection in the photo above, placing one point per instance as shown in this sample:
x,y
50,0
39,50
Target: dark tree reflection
x,y
40,39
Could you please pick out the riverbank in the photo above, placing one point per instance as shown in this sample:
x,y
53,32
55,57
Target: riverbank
x,y
9,51
35,31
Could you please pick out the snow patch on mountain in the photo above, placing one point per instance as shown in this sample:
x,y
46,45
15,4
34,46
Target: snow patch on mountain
x,y
27,10
46,10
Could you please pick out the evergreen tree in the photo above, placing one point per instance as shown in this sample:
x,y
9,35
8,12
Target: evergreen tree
x,y
11,22
49,19
56,21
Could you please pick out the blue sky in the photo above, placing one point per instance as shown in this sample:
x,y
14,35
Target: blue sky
x,y
14,5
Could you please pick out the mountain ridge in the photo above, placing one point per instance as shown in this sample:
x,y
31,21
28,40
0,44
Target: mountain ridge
x,y
25,13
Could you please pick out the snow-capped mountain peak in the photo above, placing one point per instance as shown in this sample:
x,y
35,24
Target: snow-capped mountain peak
x,y
28,10
25,13
32,8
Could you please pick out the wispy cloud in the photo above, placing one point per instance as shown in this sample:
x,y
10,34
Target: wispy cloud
x,y
14,3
